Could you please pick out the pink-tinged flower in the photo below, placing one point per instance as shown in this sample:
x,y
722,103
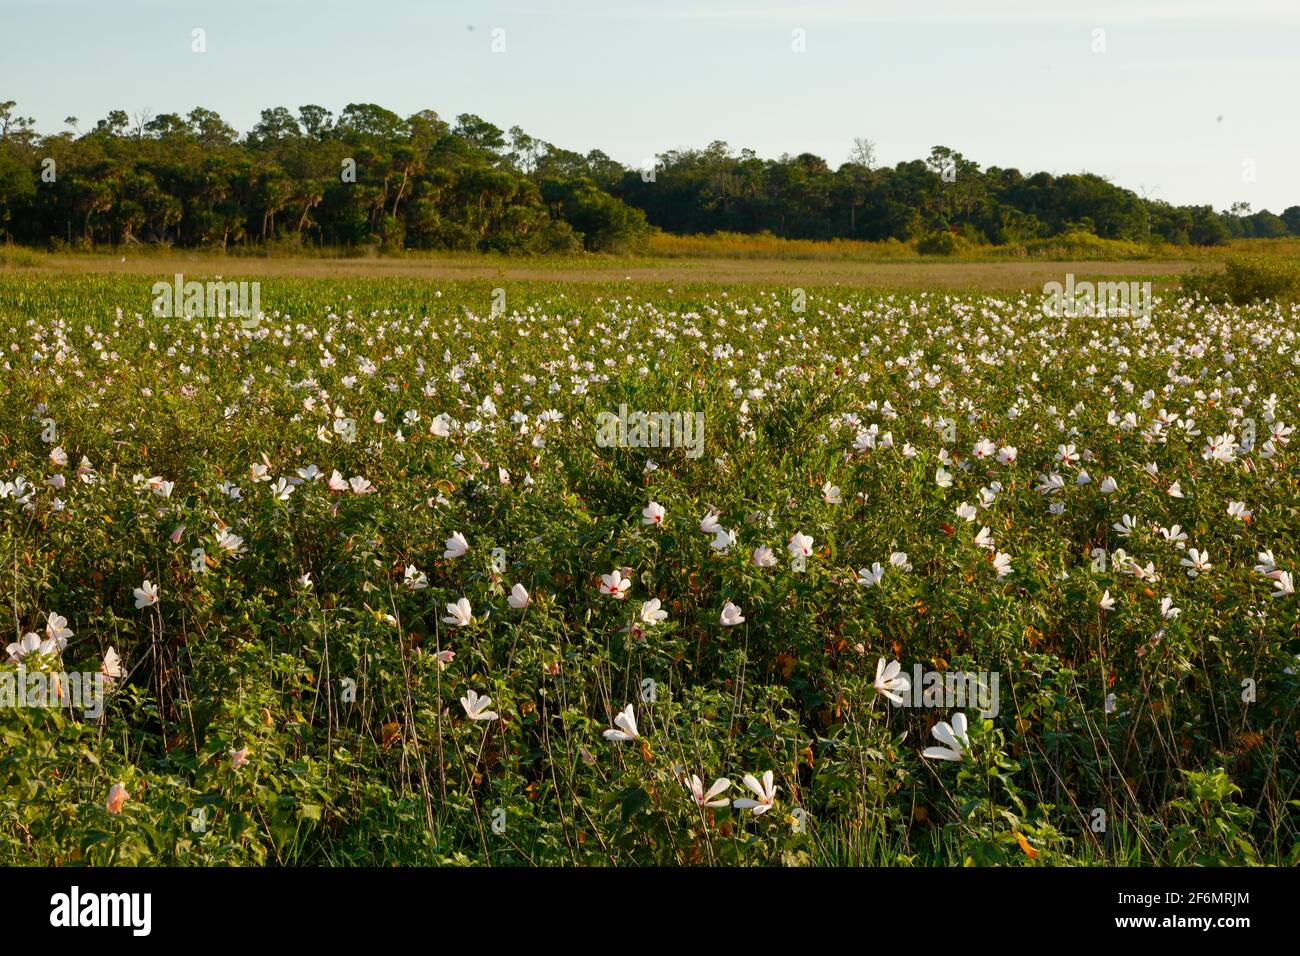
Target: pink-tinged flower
x,y
146,595
653,513
624,729
476,707
764,557
707,798
361,486
518,598
456,546
888,681
1125,526
228,541
238,757
1196,562
870,577
112,666
1049,484
460,614
952,736
614,584
1002,564
337,482
1238,510
731,615
651,613
1220,448
709,525
800,545
29,644
56,630
1175,535
1107,602
117,796
444,658
765,791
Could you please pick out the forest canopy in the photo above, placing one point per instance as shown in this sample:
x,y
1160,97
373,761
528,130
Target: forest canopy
x,y
370,177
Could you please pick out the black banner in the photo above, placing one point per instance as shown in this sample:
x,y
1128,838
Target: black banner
x,y
336,907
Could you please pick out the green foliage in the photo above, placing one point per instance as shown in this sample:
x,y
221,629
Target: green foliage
x,y
1213,830
296,697
368,179
942,243
420,182
1246,280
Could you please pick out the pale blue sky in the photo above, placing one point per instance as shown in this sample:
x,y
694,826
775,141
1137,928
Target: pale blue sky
x,y
1185,92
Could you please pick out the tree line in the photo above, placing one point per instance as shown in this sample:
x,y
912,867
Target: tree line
x,y
371,177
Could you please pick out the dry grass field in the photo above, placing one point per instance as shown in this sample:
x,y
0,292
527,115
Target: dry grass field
x,y
915,273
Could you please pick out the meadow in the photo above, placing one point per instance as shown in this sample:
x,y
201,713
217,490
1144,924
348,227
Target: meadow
x,y
667,261
364,585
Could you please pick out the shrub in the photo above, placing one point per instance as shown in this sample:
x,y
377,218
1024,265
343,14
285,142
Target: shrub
x,y
1245,280
942,243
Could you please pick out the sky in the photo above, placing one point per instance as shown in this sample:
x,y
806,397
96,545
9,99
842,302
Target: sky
x,y
1190,101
